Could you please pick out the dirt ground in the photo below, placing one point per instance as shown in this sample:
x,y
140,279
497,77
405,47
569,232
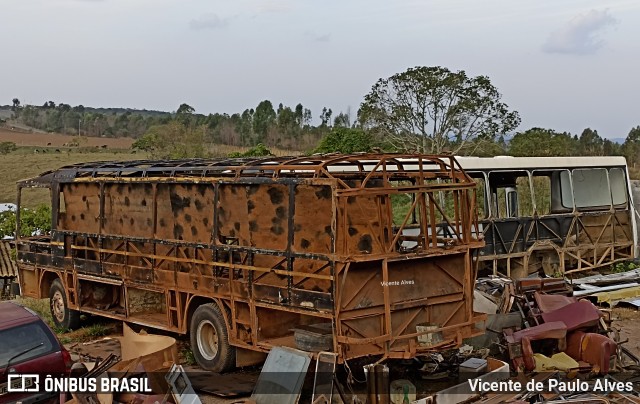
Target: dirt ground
x,y
628,322
22,138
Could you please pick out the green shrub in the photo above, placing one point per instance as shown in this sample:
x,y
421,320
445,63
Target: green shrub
x,y
32,221
188,357
258,150
97,330
346,140
7,147
625,266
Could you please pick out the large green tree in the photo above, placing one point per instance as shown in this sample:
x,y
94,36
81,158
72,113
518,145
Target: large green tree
x,y
590,143
264,116
184,114
15,107
325,117
342,120
432,110
631,146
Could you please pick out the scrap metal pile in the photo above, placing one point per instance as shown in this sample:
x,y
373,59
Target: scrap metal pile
x,y
549,330
147,361
541,331
613,289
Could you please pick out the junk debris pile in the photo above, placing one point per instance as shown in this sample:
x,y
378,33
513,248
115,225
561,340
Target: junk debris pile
x,y
148,363
545,340
551,333
612,290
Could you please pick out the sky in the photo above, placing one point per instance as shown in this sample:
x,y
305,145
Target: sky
x,y
564,65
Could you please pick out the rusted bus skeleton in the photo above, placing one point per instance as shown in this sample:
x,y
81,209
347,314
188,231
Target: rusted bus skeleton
x,y
556,214
276,243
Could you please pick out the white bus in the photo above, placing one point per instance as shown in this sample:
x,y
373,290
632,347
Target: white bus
x,y
552,214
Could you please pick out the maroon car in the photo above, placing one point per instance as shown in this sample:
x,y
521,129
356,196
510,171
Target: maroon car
x,y
28,346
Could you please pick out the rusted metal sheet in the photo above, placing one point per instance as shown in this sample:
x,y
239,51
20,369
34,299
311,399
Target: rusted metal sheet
x,y
313,205
127,209
375,245
80,208
8,268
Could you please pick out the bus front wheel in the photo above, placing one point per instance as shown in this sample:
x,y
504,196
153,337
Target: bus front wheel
x,y
63,316
210,339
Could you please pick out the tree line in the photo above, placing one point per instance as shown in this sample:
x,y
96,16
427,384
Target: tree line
x,y
86,121
282,126
424,109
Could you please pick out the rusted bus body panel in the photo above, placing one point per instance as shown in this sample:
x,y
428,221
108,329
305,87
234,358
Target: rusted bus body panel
x,y
421,291
278,247
562,243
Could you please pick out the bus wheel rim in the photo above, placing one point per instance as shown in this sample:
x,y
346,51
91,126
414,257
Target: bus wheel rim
x,y
57,306
207,339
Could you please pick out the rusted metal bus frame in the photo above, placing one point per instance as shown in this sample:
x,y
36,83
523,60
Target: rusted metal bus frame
x,y
275,243
553,214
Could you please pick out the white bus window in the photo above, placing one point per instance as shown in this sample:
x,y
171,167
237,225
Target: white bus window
x,y
542,194
511,194
618,186
481,198
591,187
525,201
566,195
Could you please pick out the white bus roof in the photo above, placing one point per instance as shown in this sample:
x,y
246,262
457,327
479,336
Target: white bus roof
x,y
514,163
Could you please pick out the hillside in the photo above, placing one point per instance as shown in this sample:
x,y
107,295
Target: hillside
x,y
5,111
40,152
24,163
56,140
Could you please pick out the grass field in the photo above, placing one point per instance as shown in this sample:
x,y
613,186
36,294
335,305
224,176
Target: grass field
x,y
25,163
92,329
36,158
56,141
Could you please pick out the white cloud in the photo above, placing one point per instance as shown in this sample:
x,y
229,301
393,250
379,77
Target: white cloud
x,y
208,21
581,35
318,37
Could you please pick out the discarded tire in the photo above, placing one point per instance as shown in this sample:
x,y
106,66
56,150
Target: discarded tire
x,y
314,337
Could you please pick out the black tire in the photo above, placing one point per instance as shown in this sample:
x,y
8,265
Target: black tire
x,y
62,315
210,339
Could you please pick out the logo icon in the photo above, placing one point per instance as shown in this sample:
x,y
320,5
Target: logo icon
x,y
23,383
